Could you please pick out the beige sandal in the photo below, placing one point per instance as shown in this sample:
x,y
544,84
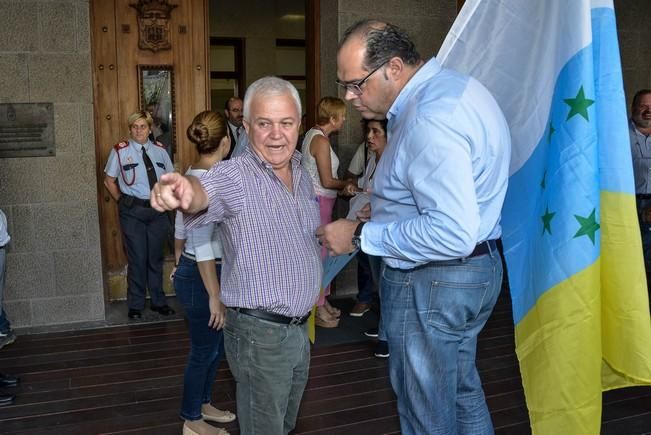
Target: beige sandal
x,y
324,319
200,427
210,413
334,312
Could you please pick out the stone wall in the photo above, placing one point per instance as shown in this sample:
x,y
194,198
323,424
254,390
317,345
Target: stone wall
x,y
54,264
634,32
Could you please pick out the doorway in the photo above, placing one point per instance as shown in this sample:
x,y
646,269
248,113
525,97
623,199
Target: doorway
x,y
278,38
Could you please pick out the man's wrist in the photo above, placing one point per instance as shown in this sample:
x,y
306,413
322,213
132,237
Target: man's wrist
x,y
357,236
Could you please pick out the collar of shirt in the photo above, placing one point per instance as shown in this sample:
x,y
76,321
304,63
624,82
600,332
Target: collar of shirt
x,y
138,146
296,158
233,128
636,130
425,72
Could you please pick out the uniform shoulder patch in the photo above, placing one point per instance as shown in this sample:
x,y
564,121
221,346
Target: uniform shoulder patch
x,y
118,146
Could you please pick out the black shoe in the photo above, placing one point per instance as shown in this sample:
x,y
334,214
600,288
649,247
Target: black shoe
x,y
165,310
135,314
381,349
8,380
371,333
7,399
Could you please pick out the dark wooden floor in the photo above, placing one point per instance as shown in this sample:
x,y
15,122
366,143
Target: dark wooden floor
x,y
128,379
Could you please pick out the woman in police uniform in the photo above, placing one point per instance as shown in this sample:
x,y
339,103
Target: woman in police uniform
x,y
136,165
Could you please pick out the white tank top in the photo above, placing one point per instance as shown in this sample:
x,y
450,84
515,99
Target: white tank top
x,y
309,163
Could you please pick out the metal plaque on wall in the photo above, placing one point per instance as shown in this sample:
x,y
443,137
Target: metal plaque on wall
x,y
27,130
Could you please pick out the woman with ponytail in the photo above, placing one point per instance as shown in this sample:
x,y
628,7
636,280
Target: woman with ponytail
x,y
198,254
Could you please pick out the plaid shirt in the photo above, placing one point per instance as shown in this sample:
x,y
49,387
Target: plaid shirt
x,y
271,254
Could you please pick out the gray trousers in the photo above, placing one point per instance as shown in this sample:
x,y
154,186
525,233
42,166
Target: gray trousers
x,y
270,364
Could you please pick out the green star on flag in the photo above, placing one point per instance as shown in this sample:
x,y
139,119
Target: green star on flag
x,y
551,131
579,105
589,226
547,219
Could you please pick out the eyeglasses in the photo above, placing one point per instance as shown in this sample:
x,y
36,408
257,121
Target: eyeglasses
x,y
356,86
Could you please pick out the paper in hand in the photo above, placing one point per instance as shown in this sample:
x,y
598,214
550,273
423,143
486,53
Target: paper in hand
x,y
332,265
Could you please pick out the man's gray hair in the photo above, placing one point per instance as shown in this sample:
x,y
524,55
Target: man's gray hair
x,y
270,86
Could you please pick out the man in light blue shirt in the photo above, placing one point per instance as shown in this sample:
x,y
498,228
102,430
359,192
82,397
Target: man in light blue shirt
x,y
435,212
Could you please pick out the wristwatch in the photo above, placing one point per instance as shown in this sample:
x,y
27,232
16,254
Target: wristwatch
x,y
357,236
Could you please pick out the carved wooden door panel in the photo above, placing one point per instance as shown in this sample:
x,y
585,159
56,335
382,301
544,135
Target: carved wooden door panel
x,y
117,51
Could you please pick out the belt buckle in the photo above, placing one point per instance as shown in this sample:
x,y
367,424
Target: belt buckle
x,y
295,321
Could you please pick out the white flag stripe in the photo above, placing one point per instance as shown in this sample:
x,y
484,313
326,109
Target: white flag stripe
x,y
602,4
509,77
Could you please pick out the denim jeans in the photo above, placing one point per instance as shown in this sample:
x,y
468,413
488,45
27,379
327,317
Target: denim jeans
x,y
270,364
368,276
206,344
5,326
432,315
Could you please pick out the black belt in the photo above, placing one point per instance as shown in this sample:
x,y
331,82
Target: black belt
x,y
273,317
130,201
2,247
643,196
485,247
189,256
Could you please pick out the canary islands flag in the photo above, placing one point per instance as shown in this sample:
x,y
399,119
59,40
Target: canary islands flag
x,y
570,232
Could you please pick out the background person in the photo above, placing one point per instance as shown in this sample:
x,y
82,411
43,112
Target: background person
x,y
236,130
272,270
137,164
198,254
368,266
640,134
7,335
321,162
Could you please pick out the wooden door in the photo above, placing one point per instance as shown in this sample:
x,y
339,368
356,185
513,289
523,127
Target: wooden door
x,y
116,56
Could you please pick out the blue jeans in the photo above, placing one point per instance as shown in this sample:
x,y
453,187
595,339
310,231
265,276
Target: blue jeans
x,y
368,276
5,326
366,281
206,344
432,315
270,364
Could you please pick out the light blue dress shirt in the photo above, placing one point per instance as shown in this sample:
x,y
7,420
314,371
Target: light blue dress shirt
x,y
439,187
641,152
132,177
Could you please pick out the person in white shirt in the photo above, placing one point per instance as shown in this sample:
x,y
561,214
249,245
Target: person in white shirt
x,y
198,254
7,335
321,162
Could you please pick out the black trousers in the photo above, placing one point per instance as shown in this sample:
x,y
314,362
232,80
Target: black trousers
x,y
144,233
